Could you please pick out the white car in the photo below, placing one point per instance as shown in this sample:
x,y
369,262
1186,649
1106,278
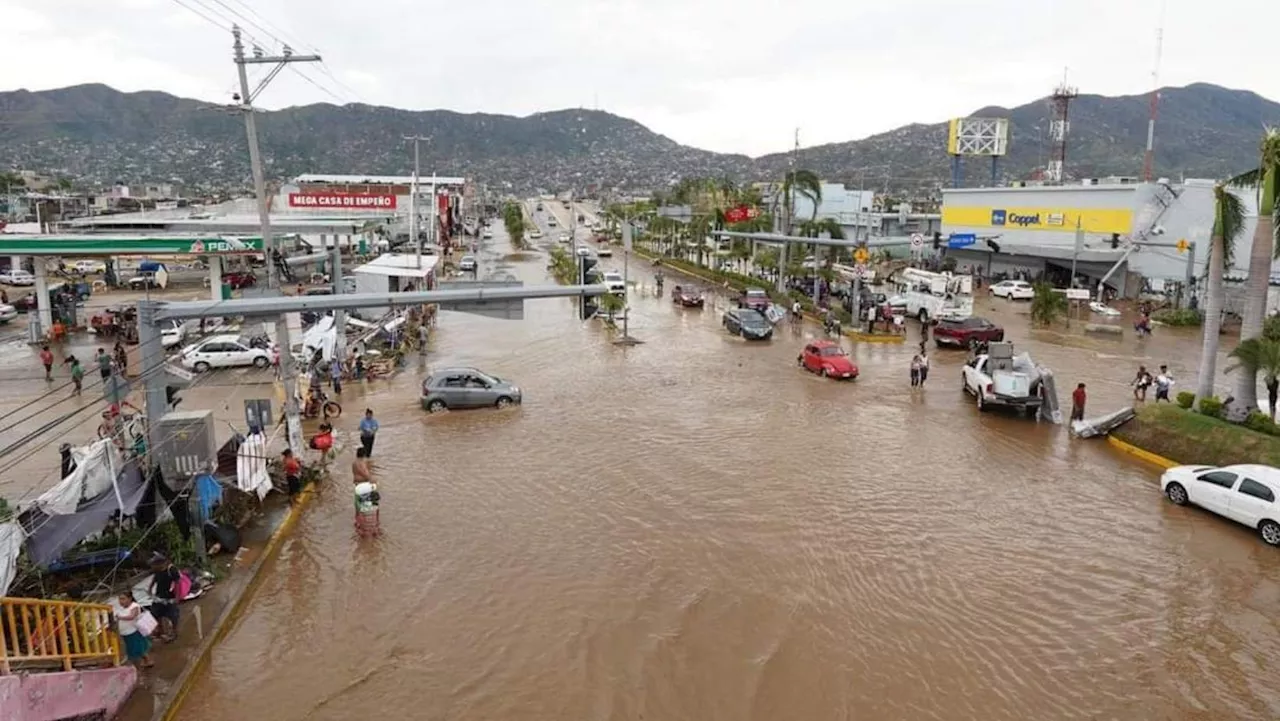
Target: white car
x,y
584,251
7,313
604,251
1013,290
564,238
89,267
17,277
487,233
551,221
468,264
536,234
1245,493
172,334
613,280
223,351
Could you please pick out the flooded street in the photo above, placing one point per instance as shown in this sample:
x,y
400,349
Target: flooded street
x,y
695,529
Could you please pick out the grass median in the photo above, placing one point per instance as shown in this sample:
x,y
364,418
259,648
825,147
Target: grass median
x,y
1191,438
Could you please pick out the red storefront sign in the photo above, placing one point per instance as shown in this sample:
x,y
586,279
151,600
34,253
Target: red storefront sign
x,y
343,201
741,214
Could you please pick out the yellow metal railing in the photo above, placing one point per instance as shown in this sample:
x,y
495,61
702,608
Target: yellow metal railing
x,y
37,633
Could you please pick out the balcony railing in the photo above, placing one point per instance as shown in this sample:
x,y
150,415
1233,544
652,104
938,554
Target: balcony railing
x,y
41,634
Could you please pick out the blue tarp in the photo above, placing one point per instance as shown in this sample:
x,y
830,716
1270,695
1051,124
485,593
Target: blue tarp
x,y
210,495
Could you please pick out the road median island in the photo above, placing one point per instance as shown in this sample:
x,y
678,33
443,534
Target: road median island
x,y
739,282
1169,433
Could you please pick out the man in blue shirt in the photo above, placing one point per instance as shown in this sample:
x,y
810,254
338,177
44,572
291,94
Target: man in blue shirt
x,y
368,429
335,372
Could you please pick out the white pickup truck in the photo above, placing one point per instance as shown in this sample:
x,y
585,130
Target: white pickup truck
x,y
994,380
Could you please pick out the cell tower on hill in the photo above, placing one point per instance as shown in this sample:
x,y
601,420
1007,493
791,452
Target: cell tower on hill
x,y
1059,129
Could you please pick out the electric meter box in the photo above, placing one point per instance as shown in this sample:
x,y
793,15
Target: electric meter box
x,y
185,446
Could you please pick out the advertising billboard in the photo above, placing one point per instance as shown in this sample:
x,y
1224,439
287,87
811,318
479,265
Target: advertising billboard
x,y
1091,220
343,201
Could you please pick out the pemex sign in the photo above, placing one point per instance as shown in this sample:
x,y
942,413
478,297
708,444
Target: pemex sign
x,y
343,201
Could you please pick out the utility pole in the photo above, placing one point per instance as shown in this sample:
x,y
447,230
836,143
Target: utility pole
x,y
293,417
413,198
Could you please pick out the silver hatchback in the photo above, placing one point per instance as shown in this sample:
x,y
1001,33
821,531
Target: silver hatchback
x,y
466,388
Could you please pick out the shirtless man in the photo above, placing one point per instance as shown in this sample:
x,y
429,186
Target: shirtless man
x,y
360,470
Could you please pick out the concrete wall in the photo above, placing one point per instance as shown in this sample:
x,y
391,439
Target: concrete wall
x,y
65,694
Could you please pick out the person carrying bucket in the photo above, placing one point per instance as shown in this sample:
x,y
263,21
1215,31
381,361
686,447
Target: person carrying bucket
x,y
367,498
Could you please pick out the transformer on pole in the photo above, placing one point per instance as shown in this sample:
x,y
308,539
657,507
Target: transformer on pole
x,y
977,137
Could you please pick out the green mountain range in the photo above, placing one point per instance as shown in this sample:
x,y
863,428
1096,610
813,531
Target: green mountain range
x,y
101,136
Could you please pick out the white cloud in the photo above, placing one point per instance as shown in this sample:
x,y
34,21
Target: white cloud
x,y
728,75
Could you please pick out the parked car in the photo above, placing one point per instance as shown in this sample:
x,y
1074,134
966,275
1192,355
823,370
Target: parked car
x,y
828,359
966,333
993,381
1013,290
564,238
1245,494
238,280
604,251
224,351
535,234
17,276
551,221
89,267
456,388
687,296
748,323
487,233
613,280
468,264
7,313
172,333
755,299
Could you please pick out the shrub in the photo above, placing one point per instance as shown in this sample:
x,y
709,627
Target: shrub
x,y
1186,399
1178,316
1211,406
1262,423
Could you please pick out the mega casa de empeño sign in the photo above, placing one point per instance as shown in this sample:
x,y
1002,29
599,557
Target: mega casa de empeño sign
x,y
345,201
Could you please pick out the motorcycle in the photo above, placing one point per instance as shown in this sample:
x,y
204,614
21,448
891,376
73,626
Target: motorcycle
x,y
831,326
657,279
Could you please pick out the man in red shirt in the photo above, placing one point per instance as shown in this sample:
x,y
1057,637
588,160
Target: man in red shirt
x,y
46,357
1077,403
292,474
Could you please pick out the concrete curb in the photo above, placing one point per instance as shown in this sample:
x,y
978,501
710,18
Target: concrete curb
x,y
1147,456
231,613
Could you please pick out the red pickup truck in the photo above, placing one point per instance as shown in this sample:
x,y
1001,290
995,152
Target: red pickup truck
x,y
755,299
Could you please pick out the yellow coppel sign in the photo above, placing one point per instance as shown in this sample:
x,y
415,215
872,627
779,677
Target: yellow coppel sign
x,y
1091,220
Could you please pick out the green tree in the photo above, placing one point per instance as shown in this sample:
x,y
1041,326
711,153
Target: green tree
x,y
1259,356
611,304
513,220
1047,305
798,183
1228,221
1264,180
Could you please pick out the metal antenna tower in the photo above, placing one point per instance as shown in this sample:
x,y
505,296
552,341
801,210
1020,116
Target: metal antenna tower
x,y
1148,159
1059,129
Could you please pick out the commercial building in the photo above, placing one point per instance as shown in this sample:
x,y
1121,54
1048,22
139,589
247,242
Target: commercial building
x,y
1115,216
379,194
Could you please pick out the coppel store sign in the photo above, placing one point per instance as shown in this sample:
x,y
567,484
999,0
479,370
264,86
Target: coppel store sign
x,y
1002,217
343,201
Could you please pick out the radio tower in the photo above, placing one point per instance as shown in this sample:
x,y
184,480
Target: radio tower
x,y
1148,160
1059,129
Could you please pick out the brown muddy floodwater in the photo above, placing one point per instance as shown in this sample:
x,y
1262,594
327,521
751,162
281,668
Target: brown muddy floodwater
x,y
695,529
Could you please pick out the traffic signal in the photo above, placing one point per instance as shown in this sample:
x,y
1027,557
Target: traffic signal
x,y
171,397
587,276
937,239
1115,241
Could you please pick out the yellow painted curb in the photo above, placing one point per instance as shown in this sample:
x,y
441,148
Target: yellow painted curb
x,y
866,338
231,615
1147,456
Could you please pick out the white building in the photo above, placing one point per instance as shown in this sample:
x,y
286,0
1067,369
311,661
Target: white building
x,y
394,273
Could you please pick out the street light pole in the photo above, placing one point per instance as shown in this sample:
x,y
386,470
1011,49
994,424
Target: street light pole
x,y
293,417
413,199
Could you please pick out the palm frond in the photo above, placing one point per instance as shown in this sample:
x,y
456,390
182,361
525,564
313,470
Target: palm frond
x,y
1248,179
1228,220
1257,355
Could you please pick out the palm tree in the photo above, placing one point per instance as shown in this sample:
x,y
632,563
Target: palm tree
x,y
1259,356
1047,304
1261,252
803,183
1228,221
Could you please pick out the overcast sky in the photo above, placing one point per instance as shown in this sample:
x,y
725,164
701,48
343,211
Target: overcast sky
x,y
725,75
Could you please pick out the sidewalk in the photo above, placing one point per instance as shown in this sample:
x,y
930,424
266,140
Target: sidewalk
x,y
176,663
